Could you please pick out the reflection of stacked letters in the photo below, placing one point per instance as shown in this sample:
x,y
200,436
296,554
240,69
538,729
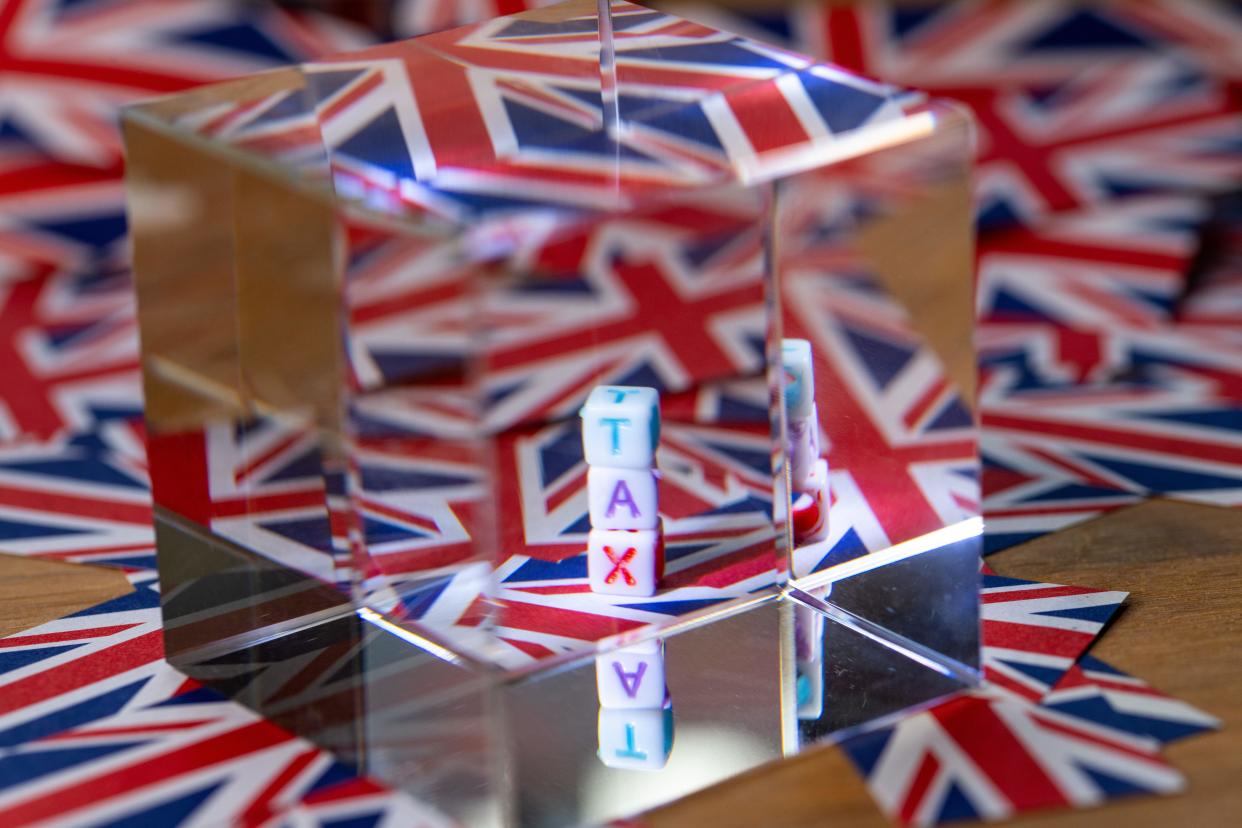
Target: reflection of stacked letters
x,y
809,661
808,471
620,433
635,712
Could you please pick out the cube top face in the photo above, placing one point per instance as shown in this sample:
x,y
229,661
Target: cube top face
x,y
371,357
478,121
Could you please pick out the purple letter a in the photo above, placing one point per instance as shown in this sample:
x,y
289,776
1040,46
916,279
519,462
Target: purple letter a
x,y
630,682
621,494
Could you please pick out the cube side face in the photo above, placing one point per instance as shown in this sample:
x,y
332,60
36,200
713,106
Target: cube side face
x,y
875,275
625,562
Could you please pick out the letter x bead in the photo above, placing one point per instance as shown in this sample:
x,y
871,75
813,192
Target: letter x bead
x,y
810,507
624,562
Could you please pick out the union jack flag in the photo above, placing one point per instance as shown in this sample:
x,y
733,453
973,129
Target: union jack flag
x,y
1039,732
132,765
1094,137
1033,632
1173,440
526,125
76,499
267,490
410,18
1120,267
61,216
980,755
574,312
410,304
69,345
71,66
1100,692
1057,454
585,315
1075,104
1026,355
85,666
94,718
1028,493
961,41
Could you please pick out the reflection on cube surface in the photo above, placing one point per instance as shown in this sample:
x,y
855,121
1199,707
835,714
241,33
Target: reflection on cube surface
x,y
403,341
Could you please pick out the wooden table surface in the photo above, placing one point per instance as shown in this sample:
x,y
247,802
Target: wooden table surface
x,y
1180,630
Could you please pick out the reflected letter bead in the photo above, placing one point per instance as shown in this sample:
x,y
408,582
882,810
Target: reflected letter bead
x,y
631,677
799,378
622,498
803,449
639,739
810,507
621,426
810,689
624,561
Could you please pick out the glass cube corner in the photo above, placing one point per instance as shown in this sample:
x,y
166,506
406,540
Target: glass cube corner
x,y
374,292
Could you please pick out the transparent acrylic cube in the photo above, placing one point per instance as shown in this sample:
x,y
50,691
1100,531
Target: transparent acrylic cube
x,y
374,293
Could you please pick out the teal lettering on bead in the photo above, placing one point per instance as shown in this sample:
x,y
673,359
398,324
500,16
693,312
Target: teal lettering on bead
x,y
616,423
631,750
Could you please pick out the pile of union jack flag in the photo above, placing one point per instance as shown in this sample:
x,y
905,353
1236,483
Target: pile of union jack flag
x,y
1110,299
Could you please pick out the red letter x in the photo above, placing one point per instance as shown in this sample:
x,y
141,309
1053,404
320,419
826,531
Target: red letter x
x,y
618,566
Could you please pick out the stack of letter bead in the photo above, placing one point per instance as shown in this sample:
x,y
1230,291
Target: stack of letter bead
x,y
635,711
808,471
620,433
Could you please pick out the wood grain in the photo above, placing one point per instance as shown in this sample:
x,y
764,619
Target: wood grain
x,y
33,592
1181,631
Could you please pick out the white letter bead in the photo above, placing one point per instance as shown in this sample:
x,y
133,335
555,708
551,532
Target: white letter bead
x,y
630,677
635,739
624,561
622,498
810,507
799,377
621,426
803,449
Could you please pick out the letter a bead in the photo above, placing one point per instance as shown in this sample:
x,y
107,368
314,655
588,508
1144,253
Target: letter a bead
x,y
622,498
621,426
631,677
803,449
624,561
